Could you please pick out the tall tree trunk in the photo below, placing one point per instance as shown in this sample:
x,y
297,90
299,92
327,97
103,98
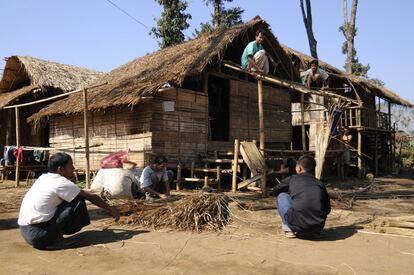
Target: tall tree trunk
x,y
217,13
307,20
349,29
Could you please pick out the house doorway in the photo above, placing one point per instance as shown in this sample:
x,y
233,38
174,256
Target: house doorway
x,y
218,108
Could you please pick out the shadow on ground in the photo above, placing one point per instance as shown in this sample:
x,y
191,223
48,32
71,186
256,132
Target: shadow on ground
x,y
6,224
94,237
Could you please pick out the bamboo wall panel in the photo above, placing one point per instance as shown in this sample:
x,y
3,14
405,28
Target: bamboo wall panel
x,y
180,134
244,121
116,129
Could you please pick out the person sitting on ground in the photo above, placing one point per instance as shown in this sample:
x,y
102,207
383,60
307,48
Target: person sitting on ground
x,y
155,179
118,183
54,206
254,56
314,77
302,201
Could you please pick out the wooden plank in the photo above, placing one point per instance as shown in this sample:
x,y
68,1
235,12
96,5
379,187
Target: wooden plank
x,y
247,182
253,158
235,165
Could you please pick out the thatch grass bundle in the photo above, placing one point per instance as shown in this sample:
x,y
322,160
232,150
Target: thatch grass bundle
x,y
204,211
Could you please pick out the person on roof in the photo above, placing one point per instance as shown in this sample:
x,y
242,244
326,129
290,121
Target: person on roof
x,y
254,56
314,77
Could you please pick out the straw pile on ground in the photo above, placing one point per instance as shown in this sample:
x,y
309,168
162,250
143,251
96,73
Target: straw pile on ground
x,y
199,212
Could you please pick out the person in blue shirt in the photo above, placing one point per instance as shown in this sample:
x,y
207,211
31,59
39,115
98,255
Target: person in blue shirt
x,y
254,55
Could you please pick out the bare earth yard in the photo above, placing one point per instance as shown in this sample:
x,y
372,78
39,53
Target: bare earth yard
x,y
251,244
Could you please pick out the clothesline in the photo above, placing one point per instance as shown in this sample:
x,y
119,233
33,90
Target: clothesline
x,y
30,148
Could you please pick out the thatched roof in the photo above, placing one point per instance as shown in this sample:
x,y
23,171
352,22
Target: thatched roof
x,y
363,83
22,74
7,98
144,76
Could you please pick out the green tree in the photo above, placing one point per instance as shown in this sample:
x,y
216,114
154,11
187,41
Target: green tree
x,y
173,20
357,68
221,17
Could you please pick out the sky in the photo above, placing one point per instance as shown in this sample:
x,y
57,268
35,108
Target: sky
x,y
96,35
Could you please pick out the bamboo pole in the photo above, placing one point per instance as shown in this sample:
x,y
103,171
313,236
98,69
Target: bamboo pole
x,y
205,177
53,97
218,178
86,128
302,114
9,135
17,177
178,185
235,164
360,153
291,85
261,117
376,154
262,133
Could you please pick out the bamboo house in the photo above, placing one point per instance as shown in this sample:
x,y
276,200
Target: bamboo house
x,y
26,79
370,123
179,101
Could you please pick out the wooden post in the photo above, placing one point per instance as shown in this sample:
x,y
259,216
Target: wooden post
x,y
17,177
261,132
376,155
261,118
205,176
9,135
86,129
218,178
235,164
359,153
244,172
178,185
192,170
302,114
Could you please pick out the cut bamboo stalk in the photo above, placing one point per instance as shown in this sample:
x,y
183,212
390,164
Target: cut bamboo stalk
x,y
218,178
235,164
302,114
206,177
178,186
86,127
17,177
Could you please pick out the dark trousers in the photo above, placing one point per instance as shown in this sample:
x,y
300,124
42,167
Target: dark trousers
x,y
158,185
69,218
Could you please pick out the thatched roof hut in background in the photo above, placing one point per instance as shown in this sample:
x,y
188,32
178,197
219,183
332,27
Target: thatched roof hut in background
x,y
22,72
180,101
26,79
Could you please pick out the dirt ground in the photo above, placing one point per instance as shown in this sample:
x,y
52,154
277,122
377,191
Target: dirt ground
x,y
251,244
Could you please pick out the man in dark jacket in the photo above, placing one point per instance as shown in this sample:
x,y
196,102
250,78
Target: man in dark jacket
x,y
302,201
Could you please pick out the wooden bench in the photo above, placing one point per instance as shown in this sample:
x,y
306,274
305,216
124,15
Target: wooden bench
x,y
31,170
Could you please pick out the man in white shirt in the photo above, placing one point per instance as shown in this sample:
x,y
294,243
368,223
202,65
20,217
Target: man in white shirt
x,y
54,206
155,179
